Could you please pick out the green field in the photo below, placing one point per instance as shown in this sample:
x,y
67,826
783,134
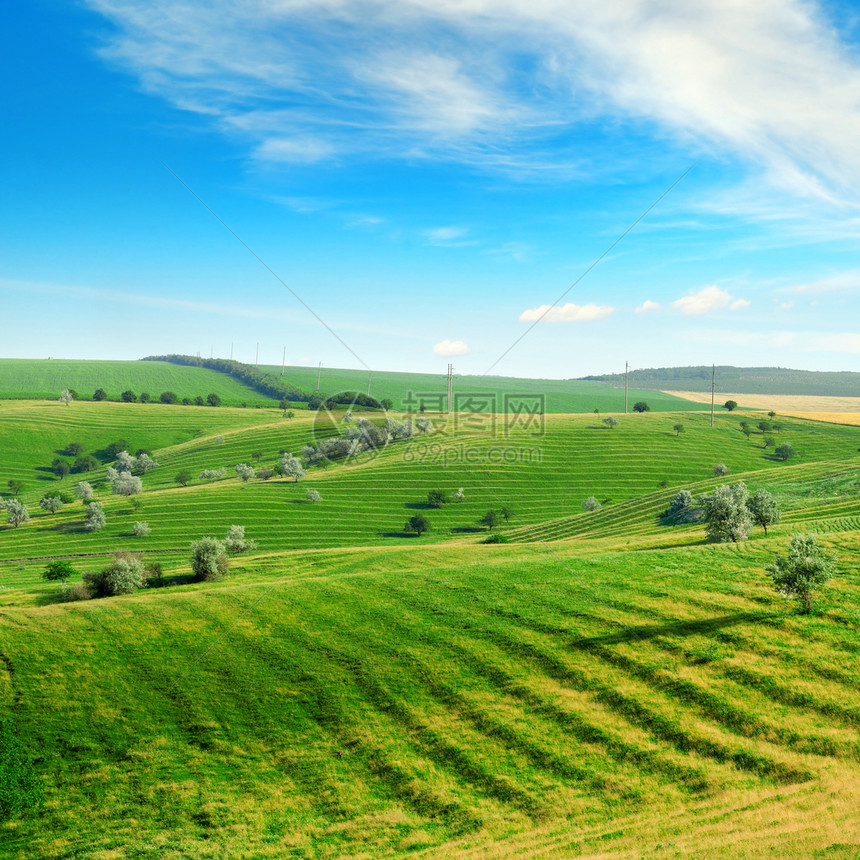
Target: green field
x,y
602,685
31,379
742,380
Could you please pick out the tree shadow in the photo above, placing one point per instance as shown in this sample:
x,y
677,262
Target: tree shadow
x,y
398,534
643,633
467,530
420,506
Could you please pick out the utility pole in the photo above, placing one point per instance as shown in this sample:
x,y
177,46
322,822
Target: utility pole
x,y
319,371
626,369
450,386
370,376
713,390
257,359
212,350
231,350
284,361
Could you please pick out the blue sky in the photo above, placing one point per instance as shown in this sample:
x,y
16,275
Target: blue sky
x,y
430,178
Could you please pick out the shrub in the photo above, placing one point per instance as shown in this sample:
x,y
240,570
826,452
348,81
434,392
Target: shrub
x,y
84,490
128,396
141,529
682,509
199,401
123,576
73,591
265,474
51,504
721,469
611,422
87,463
591,504
145,397
168,397
213,399
313,496
641,406
100,394
236,542
183,477
209,559
726,513
496,538
213,474
417,523
153,573
186,401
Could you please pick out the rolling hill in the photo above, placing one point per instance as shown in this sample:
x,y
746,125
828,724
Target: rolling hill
x,y
601,685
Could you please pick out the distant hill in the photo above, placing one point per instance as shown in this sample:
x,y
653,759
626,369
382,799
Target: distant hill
x,y
741,380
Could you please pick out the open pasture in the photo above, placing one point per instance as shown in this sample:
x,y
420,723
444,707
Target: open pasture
x,y
601,686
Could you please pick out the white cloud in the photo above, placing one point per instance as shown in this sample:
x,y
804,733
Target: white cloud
x,y
566,313
451,347
708,299
447,236
495,83
647,306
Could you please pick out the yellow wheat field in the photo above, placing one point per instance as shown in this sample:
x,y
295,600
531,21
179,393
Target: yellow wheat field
x,y
837,410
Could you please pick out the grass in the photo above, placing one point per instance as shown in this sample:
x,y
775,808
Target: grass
x,y
33,379
600,685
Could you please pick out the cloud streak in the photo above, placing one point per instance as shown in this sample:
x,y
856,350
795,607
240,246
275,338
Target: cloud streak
x,y
500,83
568,312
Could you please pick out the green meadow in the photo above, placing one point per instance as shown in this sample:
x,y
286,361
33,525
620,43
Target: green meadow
x,y
600,685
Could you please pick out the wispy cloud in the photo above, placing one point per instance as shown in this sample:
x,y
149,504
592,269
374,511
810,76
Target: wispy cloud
x,y
848,282
451,236
647,306
707,300
768,83
842,343
451,347
568,312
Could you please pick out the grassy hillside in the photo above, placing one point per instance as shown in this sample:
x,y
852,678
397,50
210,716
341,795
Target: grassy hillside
x,y
482,393
45,379
601,686
743,380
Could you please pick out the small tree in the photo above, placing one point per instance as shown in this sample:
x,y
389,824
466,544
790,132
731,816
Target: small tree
x,y
591,504
284,405
236,542
15,486
490,520
611,422
73,449
16,512
745,428
86,463
641,406
437,498
727,516
126,484
96,519
168,397
141,529
784,452
145,397
764,509
806,569
506,513
213,474
182,478
245,472
144,463
313,496
386,404
721,469
51,504
199,401
60,467
771,415
423,425
678,428
100,394
213,399
58,571
209,559
731,405
417,523
458,495
67,397
765,426
292,467
682,509
128,396
84,491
